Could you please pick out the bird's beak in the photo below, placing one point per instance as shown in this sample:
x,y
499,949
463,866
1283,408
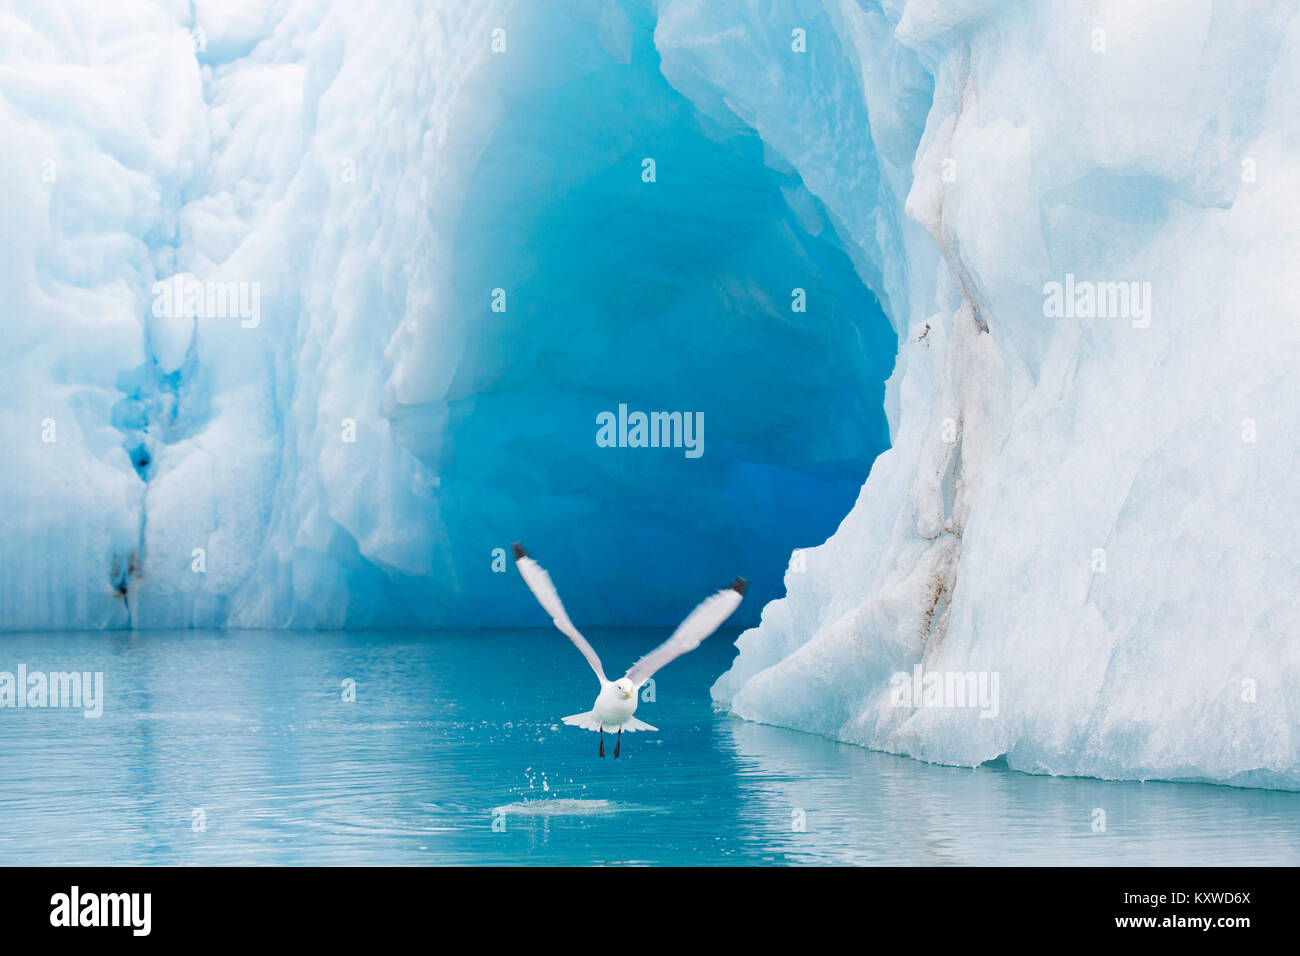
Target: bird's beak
x,y
626,695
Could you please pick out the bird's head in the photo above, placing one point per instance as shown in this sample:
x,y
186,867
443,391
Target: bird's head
x,y
624,687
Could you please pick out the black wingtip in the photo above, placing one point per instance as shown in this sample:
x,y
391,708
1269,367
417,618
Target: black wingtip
x,y
739,586
519,551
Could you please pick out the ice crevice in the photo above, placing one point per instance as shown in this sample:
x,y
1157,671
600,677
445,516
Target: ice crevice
x,y
167,404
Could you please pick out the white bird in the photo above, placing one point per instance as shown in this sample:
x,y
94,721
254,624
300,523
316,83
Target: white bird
x,y
616,702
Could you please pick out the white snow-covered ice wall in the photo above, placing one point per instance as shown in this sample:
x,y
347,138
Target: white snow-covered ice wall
x,y
1092,505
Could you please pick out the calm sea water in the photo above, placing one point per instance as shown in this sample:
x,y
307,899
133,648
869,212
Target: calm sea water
x,y
238,748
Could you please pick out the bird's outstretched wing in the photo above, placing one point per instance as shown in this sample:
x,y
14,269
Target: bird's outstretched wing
x,y
539,582
699,624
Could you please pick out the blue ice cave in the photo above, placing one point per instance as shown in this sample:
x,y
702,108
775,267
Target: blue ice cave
x,y
649,259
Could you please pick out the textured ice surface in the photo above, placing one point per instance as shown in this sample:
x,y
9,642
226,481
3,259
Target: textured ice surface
x,y
1097,510
356,444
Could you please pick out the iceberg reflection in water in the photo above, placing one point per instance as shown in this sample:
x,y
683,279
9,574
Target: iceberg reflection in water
x,y
239,747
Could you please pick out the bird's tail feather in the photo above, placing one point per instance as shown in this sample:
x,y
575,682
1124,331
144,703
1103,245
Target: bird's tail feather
x,y
586,721
589,721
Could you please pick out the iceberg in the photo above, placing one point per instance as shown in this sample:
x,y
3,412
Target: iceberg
x,y
373,302
1091,507
312,308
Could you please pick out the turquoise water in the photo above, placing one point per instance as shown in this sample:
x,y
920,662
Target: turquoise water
x,y
453,732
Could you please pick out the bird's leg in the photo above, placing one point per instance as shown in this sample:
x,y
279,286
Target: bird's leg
x,y
617,741
602,741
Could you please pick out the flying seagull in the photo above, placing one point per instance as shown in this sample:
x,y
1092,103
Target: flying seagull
x,y
616,702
